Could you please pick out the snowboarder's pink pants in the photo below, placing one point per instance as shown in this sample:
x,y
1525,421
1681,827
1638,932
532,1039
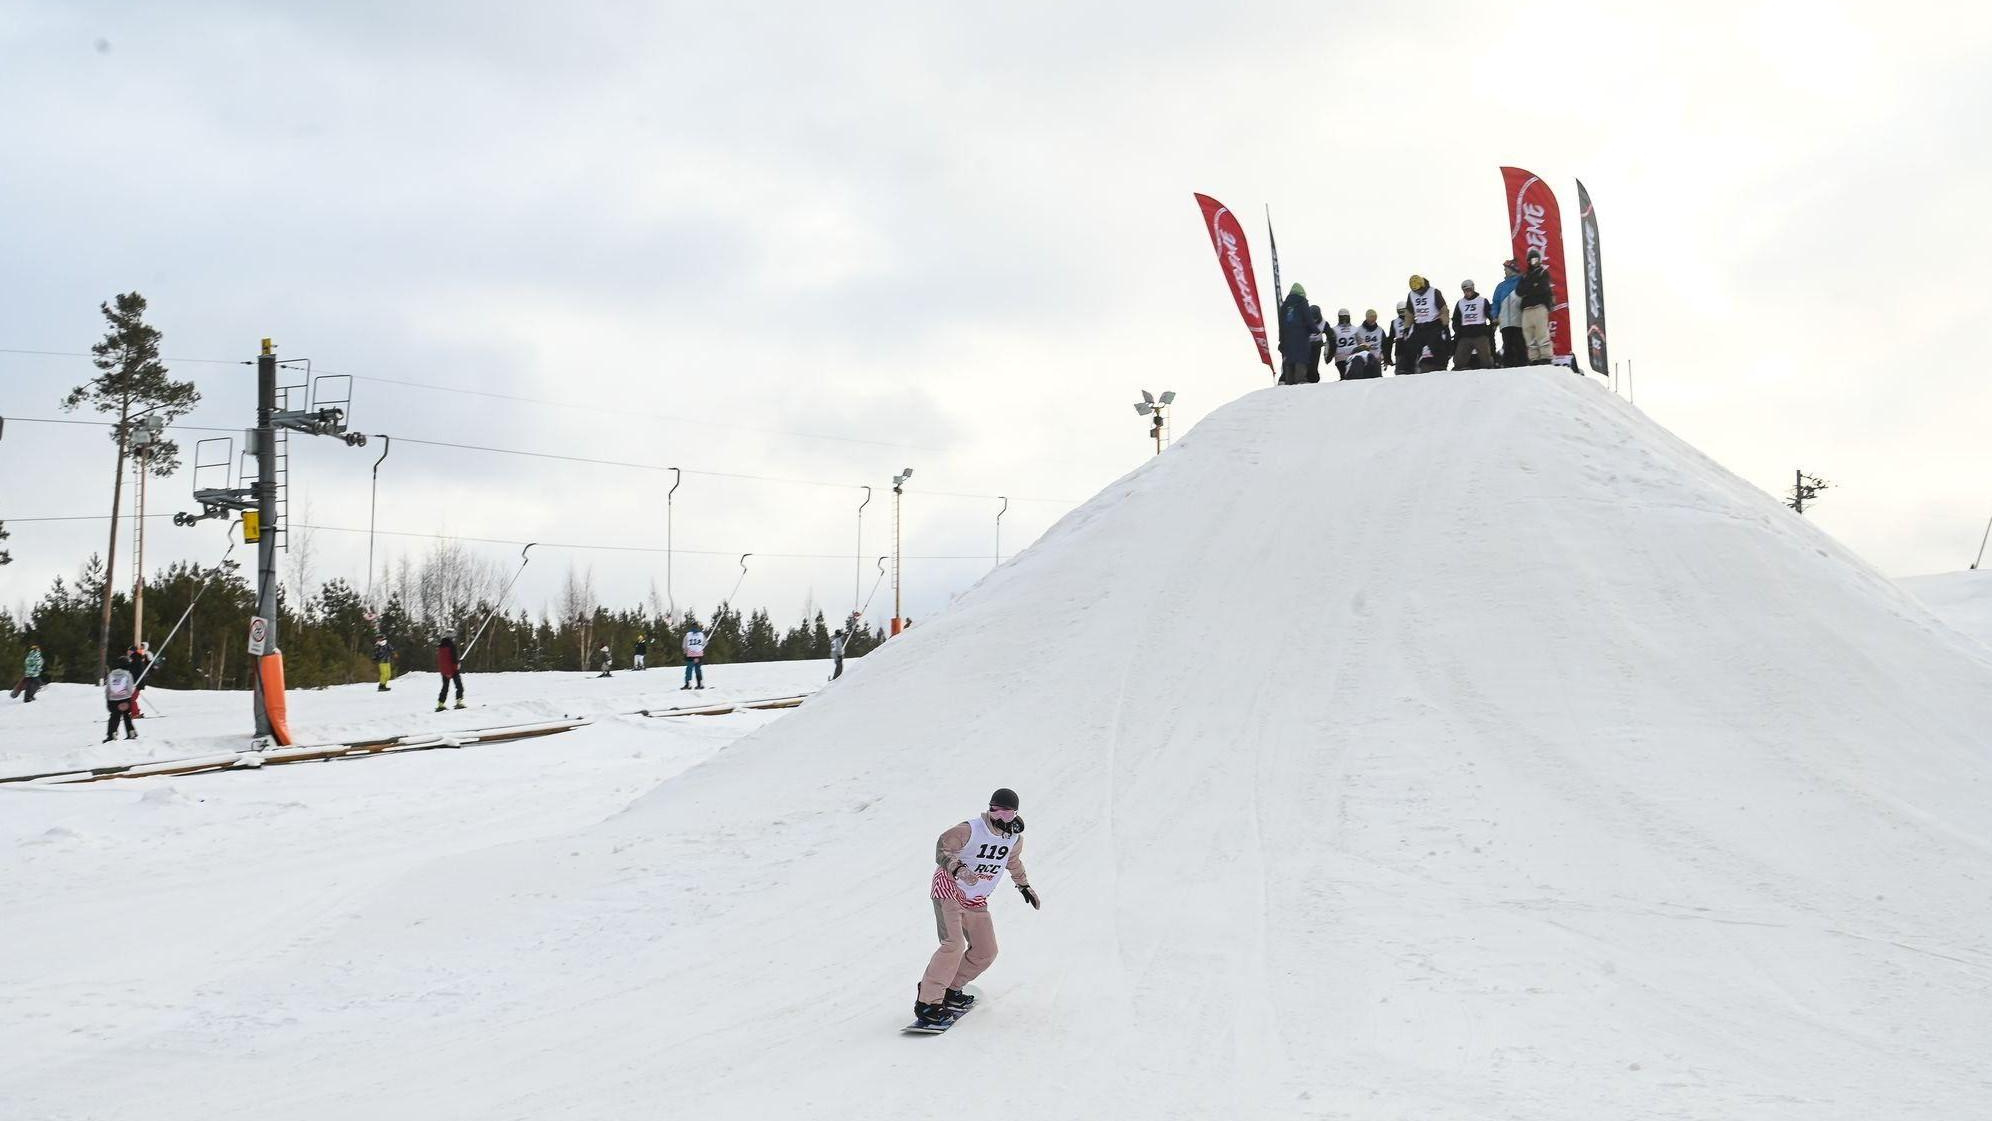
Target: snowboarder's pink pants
x,y
968,945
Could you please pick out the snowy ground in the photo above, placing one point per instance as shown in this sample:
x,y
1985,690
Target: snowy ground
x,y
1962,599
1457,748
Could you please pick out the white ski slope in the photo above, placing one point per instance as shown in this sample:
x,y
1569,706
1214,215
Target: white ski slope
x,y
1962,599
1452,747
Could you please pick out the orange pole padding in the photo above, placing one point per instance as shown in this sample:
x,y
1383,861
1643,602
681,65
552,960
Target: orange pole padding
x,y
270,668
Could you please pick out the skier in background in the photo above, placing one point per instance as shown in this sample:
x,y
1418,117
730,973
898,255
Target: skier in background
x,y
695,644
450,669
118,693
970,860
1428,323
1402,348
640,652
1317,337
1294,330
1538,296
837,655
1345,342
1508,312
605,660
383,656
1473,326
139,660
31,671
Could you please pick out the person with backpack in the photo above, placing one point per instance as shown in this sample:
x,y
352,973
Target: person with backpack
x,y
119,689
450,669
31,671
1473,327
383,656
1508,315
1294,332
1371,342
1538,296
1428,324
837,655
605,660
640,652
695,644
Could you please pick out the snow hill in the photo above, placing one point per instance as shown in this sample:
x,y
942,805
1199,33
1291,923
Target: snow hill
x,y
1962,599
1451,747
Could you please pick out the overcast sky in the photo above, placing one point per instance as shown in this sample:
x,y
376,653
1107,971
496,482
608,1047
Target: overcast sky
x,y
816,243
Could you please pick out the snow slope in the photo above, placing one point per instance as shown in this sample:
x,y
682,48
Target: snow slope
x,y
1962,599
1454,747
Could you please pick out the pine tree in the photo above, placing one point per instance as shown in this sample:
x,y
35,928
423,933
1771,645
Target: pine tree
x,y
132,383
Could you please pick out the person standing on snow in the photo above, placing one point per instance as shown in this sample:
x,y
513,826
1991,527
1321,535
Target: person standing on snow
x,y
1428,323
383,656
31,671
139,660
450,669
1473,327
605,660
640,652
1538,296
1294,332
1508,314
837,655
119,690
1371,343
1402,348
970,860
695,644
1317,337
1345,342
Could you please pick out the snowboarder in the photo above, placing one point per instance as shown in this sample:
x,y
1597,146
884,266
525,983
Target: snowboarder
x,y
450,669
119,690
1317,337
31,671
383,656
1473,326
605,660
837,655
1346,338
969,859
1403,350
1508,309
695,643
1538,296
640,652
1294,332
1428,323
1371,344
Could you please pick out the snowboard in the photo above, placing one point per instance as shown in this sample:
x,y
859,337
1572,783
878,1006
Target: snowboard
x,y
918,1028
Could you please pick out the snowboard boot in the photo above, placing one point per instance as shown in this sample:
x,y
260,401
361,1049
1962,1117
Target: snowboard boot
x,y
110,737
382,689
957,1002
682,688
439,706
460,703
931,1015
131,735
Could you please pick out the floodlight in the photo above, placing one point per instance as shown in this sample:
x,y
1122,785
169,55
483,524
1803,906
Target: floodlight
x,y
1143,408
1168,396
907,473
1148,397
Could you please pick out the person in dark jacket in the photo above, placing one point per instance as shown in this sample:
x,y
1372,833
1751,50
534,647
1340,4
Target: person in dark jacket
x,y
1428,325
640,652
119,689
605,660
1538,296
837,654
1372,344
1403,352
450,669
1317,339
1294,332
383,656
1473,328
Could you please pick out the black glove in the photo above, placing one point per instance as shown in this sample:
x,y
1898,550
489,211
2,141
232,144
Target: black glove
x,y
1030,896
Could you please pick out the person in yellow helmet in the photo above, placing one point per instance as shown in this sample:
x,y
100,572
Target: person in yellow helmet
x,y
1428,325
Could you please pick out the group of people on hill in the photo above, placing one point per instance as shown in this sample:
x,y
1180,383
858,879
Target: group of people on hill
x,y
1427,335
449,663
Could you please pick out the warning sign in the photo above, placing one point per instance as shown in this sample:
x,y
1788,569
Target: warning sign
x,y
259,636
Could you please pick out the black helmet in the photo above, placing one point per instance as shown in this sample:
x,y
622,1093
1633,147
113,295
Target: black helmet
x,y
1003,799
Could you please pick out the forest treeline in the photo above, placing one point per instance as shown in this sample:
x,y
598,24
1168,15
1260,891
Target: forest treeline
x,y
326,631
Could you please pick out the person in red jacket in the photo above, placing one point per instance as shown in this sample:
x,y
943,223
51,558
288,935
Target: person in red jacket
x,y
449,669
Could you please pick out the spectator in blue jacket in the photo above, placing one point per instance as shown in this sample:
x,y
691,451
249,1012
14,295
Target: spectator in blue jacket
x,y
1508,313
